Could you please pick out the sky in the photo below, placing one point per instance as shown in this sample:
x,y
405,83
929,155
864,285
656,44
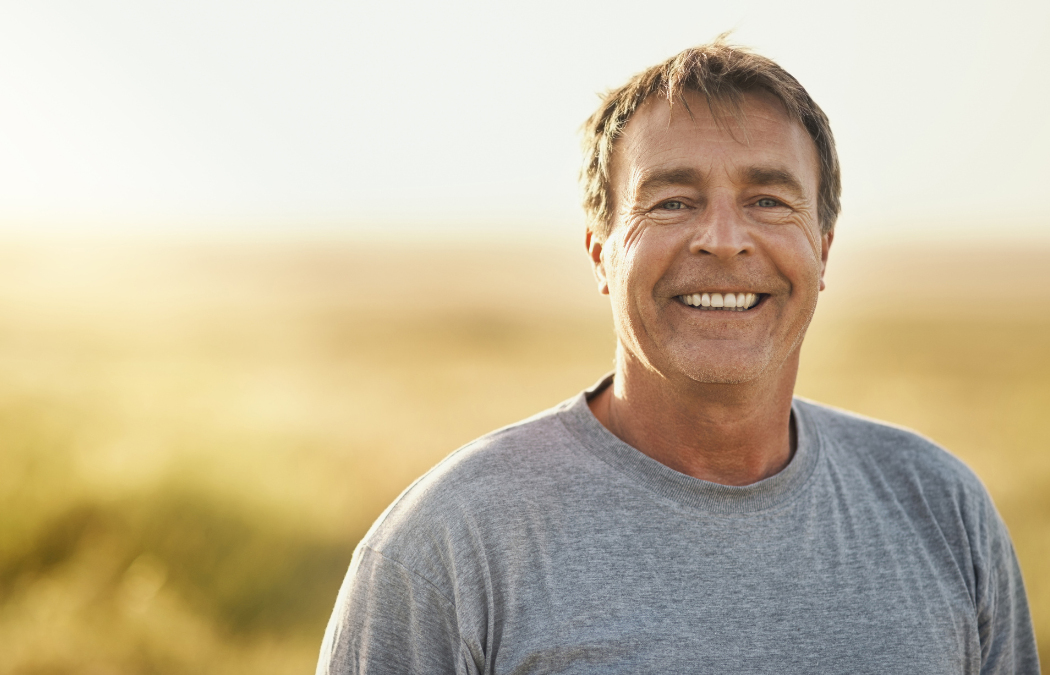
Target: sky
x,y
305,116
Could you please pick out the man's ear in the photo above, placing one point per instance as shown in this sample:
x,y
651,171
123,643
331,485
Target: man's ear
x,y
825,247
594,251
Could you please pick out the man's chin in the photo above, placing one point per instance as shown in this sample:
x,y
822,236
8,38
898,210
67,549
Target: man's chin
x,y
720,377
726,370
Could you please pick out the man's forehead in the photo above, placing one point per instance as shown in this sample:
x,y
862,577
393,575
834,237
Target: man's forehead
x,y
693,108
661,137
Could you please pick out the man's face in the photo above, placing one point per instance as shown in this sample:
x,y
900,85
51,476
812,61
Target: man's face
x,y
705,209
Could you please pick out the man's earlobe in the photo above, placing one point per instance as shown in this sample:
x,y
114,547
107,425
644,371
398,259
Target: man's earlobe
x,y
594,252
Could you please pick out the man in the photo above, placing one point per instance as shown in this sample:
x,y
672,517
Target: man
x,y
687,514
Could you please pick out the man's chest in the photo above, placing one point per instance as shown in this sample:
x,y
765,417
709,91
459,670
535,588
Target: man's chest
x,y
731,599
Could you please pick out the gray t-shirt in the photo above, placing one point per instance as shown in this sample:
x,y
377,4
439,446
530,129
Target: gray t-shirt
x,y
551,546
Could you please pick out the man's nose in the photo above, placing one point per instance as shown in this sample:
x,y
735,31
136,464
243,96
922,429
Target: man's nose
x,y
722,231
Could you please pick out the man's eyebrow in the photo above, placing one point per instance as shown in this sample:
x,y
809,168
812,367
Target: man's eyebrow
x,y
665,177
761,175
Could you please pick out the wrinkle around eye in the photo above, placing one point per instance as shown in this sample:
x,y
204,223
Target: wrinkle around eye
x,y
800,215
634,226
809,227
663,216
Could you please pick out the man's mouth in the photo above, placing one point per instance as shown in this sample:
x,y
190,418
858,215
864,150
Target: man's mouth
x,y
732,302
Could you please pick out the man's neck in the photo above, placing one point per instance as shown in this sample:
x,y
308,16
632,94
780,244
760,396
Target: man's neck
x,y
732,434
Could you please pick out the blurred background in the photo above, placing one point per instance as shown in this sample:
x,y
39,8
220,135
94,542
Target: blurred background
x,y
263,263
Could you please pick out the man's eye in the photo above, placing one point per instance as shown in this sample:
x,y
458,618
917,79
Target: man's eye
x,y
672,205
767,203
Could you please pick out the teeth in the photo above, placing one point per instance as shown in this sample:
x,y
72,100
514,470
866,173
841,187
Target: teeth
x,y
737,302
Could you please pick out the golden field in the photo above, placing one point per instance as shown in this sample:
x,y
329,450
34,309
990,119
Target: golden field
x,y
193,436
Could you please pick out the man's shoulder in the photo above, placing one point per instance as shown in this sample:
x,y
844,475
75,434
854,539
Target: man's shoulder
x,y
484,479
519,451
890,452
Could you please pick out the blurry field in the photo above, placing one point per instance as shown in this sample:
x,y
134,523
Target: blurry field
x,y
193,437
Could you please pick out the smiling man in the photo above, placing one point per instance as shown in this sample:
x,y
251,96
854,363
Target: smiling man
x,y
687,514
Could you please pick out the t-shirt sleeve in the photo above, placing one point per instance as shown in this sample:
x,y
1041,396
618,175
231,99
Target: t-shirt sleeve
x,y
1004,623
388,619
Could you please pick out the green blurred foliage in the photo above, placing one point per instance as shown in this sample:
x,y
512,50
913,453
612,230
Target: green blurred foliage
x,y
240,569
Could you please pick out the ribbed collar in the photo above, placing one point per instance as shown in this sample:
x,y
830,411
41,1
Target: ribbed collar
x,y
693,492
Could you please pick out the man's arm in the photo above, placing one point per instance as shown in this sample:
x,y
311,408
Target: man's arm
x,y
1004,622
388,619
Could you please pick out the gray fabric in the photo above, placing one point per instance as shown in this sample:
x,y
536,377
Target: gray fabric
x,y
552,547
